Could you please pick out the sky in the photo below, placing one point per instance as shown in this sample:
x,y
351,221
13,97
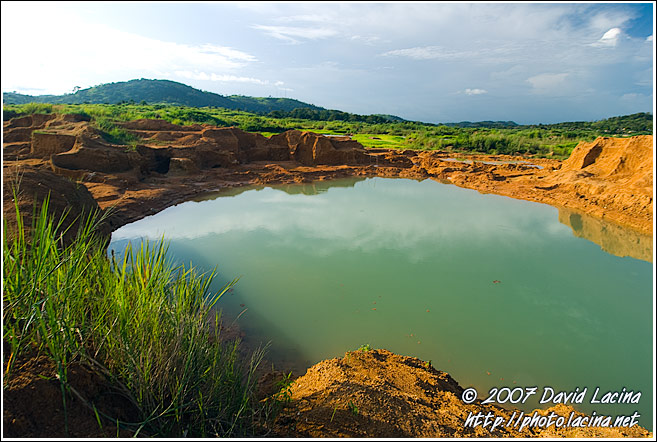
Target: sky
x,y
433,62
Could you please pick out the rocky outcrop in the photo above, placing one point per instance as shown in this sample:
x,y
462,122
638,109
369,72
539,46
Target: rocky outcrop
x,y
245,147
34,120
182,166
92,154
45,144
78,150
310,149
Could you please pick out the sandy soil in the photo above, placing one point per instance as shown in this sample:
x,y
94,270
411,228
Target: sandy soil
x,y
380,394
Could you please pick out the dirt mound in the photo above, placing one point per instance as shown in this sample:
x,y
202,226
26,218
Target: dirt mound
x,y
611,175
76,154
380,394
182,166
626,161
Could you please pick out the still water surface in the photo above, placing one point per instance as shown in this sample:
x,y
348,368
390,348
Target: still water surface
x,y
493,290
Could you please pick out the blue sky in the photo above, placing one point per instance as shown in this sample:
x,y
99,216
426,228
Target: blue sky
x,y
434,62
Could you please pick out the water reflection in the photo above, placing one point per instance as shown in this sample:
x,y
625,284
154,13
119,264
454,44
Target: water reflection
x,y
384,215
610,237
312,188
449,214
477,283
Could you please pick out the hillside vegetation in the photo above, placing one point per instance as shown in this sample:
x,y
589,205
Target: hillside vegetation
x,y
373,131
162,92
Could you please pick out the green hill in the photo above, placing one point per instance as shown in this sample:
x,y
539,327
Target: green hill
x,y
626,124
160,92
486,124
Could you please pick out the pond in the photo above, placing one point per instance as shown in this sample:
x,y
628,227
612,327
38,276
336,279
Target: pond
x,y
495,291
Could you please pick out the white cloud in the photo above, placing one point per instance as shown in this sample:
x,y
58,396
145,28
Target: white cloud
x,y
475,91
91,53
547,82
196,75
649,38
312,18
608,20
487,52
611,34
226,52
293,33
610,38
631,97
369,40
427,53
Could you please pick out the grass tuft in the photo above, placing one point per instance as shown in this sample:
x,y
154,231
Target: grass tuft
x,y
146,325
365,348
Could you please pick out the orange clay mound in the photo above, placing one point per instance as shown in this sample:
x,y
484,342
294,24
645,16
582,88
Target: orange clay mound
x,y
377,393
613,176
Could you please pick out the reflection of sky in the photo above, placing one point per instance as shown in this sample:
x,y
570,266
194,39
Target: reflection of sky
x,y
384,213
388,258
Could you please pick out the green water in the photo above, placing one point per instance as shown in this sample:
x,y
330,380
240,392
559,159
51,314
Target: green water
x,y
412,267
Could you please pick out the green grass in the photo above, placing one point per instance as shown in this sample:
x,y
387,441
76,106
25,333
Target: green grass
x,y
113,133
37,108
555,140
43,132
381,141
148,326
353,408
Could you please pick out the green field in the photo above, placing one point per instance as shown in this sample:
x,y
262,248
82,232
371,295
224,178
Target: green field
x,y
381,141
